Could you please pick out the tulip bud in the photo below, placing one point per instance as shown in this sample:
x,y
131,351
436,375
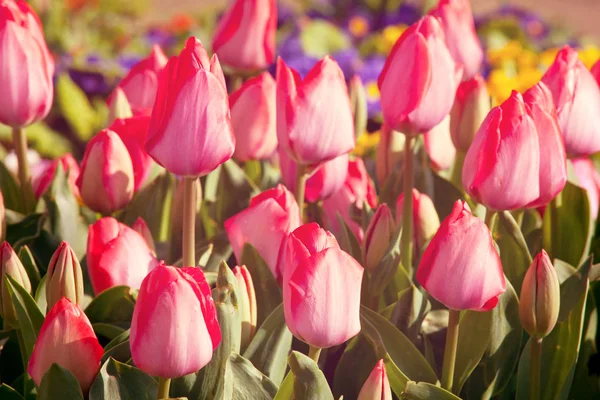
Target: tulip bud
x,y
439,146
11,265
425,218
41,182
358,101
247,299
2,217
377,238
67,339
377,386
389,153
132,132
141,227
540,297
118,106
64,277
106,180
589,179
471,105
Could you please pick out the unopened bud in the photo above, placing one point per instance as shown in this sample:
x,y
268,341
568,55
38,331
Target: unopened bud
x,y
471,106
425,218
119,106
377,386
247,303
377,238
141,227
11,265
64,277
358,101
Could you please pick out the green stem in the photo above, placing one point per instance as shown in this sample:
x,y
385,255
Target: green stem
x,y
407,212
301,178
20,143
450,350
189,221
23,358
490,220
554,206
314,353
457,168
236,82
164,384
535,368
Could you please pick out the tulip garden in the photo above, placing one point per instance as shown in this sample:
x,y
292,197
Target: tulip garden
x,y
297,200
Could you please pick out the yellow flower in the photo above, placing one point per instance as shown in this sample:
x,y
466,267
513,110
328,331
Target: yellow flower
x,y
589,55
547,57
372,91
358,26
527,78
389,36
500,85
366,142
509,52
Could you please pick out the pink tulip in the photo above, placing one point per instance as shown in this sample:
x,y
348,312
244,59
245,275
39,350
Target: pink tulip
x,y
26,66
141,82
425,218
117,255
389,154
461,267
419,79
265,224
596,71
378,236
141,227
502,166
190,131
589,179
245,36
246,303
175,313
458,25
553,159
577,99
10,264
439,146
310,129
377,386
67,339
132,132
321,288
471,105
42,181
253,118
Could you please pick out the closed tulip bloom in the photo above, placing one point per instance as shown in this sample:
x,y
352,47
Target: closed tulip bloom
x,y
502,166
141,82
596,71
106,180
248,303
117,255
265,224
245,36
457,21
378,235
42,180
132,132
377,386
321,288
439,146
553,159
64,277
175,313
577,98
190,131
540,297
461,267
11,265
119,107
589,179
309,128
142,228
471,105
26,66
420,64
253,118
425,218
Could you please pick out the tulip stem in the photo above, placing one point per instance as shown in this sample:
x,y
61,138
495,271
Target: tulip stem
x,y
164,384
554,206
189,221
535,368
407,212
450,350
20,143
457,168
301,178
490,220
314,353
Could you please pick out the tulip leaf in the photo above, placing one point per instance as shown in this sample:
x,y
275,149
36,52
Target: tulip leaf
x,y
118,381
572,284
232,179
286,389
426,391
11,191
269,348
75,107
348,241
444,196
408,312
8,393
25,231
114,305
118,348
40,296
59,383
247,382
268,292
309,381
354,367
30,266
514,261
29,316
108,331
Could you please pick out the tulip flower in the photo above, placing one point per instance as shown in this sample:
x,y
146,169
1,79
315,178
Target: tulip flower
x,y
459,28
553,159
141,227
389,154
502,166
265,224
309,128
420,64
11,265
119,107
377,237
106,180
377,386
439,146
248,303
425,218
64,277
117,255
589,179
190,131
245,36
67,339
253,118
577,99
540,297
321,288
132,132
461,267
43,179
2,217
175,315
26,66
596,71
471,105
141,82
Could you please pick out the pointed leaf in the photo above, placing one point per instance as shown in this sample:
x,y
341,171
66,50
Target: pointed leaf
x,y
13,196
59,383
117,381
118,348
309,381
30,266
426,391
26,230
8,393
113,305
354,367
248,382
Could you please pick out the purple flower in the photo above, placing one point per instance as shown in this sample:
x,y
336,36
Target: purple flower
x,y
371,68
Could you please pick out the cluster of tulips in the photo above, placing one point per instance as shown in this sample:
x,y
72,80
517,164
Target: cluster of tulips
x,y
364,275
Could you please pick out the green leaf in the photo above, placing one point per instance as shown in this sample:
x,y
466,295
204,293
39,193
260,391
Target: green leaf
x,y
118,348
232,179
75,108
13,196
348,241
426,391
59,383
444,196
514,262
8,393
286,389
247,382
117,381
409,311
114,305
309,381
30,266
108,331
354,367
26,230
269,348
573,283
320,38
40,296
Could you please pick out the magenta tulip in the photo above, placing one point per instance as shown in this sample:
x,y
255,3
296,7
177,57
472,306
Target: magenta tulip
x,y
439,146
41,181
142,228
471,105
425,218
377,386
132,132
589,179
